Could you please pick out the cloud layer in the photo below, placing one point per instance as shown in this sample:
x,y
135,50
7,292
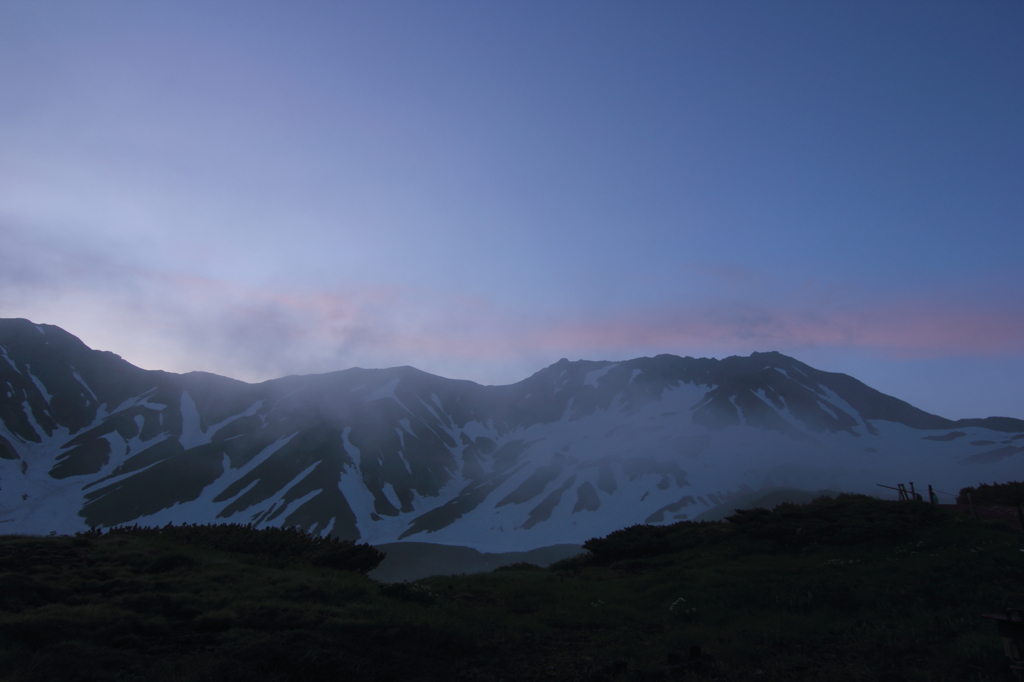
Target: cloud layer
x,y
183,322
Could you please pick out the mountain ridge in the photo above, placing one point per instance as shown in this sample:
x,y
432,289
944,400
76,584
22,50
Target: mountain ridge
x,y
577,449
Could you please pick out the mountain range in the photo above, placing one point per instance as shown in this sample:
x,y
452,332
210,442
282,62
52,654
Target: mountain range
x,y
575,451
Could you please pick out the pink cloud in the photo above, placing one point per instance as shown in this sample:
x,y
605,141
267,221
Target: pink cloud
x,y
186,322
402,324
908,329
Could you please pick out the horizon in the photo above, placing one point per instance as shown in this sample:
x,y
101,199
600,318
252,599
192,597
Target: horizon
x,y
259,190
513,382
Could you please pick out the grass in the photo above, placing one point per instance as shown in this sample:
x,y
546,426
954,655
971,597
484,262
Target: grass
x,y
850,588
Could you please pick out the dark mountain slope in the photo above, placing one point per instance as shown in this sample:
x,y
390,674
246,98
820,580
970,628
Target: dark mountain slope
x,y
575,450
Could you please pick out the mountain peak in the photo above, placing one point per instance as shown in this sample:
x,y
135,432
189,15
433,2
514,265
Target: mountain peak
x,y
574,451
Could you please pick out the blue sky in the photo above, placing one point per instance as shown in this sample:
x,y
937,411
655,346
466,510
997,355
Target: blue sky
x,y
479,189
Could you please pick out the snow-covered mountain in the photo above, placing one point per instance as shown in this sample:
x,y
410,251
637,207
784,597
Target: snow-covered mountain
x,y
577,450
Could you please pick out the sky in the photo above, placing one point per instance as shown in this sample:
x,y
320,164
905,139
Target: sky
x,y
478,189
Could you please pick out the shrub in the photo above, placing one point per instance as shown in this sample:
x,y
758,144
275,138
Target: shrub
x,y
643,541
634,542
410,592
1010,494
520,566
844,520
292,543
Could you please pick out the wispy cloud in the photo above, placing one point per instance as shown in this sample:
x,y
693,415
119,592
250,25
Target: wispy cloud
x,y
183,322
907,328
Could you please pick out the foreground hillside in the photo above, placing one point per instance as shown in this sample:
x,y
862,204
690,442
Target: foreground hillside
x,y
850,588
575,451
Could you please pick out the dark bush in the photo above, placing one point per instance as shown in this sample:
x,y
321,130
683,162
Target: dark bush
x,y
844,520
410,592
282,543
1009,494
520,566
348,556
633,542
642,541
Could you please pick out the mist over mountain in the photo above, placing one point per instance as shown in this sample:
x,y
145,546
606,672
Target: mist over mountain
x,y
577,450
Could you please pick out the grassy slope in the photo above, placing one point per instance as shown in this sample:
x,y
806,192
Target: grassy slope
x,y
848,589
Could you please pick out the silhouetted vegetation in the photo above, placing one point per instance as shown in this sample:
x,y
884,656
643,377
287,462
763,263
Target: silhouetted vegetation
x,y
844,520
520,566
850,588
1009,494
291,544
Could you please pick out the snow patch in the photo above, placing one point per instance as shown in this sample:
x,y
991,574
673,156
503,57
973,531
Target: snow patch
x,y
79,379
142,400
431,410
763,395
739,410
192,434
391,496
834,398
828,409
26,409
296,503
385,391
635,374
591,378
227,503
39,384
259,459
250,411
113,480
3,351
